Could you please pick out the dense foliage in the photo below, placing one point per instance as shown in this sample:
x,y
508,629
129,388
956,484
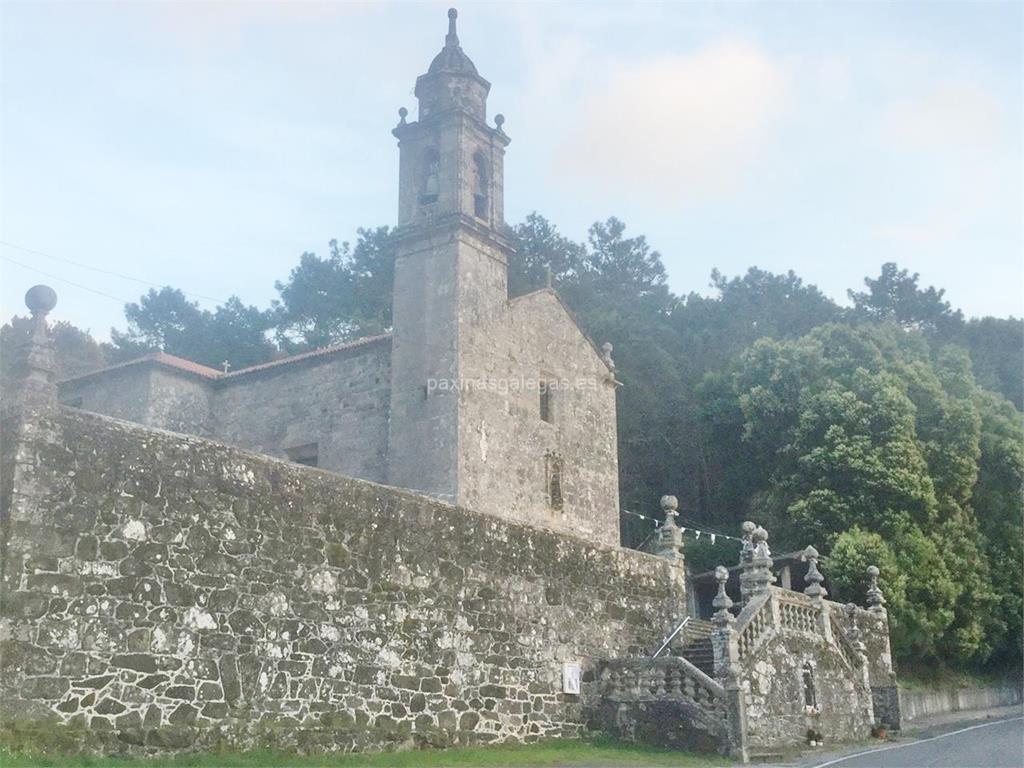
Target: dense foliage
x,y
887,432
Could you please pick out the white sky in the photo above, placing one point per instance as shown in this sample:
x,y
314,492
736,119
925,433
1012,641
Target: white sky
x,y
206,146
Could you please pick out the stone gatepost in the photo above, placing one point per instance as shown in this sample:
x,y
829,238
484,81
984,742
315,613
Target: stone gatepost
x,y
884,691
816,592
727,666
31,398
34,370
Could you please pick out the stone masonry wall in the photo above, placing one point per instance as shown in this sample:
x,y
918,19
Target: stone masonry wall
x,y
339,402
873,628
123,393
168,592
180,403
774,689
532,339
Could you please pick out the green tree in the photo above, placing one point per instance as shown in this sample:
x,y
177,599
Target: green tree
x,y
852,552
167,321
895,296
997,501
863,433
996,345
997,352
75,351
341,297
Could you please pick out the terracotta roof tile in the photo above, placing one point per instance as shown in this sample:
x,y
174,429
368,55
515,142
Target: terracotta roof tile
x,y
366,341
212,374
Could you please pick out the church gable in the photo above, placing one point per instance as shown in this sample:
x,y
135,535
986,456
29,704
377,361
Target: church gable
x,y
546,307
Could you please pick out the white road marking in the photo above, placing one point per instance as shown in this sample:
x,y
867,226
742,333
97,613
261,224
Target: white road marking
x,y
914,743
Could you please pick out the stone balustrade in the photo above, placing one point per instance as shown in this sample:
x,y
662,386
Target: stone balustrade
x,y
665,701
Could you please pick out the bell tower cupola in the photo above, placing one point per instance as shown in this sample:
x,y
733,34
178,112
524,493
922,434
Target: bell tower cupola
x,y
451,160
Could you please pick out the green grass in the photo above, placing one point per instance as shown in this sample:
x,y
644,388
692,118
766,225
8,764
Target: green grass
x,y
549,753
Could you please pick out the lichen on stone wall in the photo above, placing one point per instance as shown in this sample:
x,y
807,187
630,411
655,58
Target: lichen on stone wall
x,y
166,592
777,707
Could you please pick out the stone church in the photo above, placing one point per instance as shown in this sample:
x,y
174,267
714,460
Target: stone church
x,y
176,574
500,405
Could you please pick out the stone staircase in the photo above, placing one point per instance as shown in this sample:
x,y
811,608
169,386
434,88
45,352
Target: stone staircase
x,y
694,645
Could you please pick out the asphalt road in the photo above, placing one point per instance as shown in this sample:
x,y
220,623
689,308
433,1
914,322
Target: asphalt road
x,y
993,744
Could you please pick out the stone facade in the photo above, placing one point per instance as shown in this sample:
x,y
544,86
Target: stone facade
x,y
169,592
779,676
451,403
338,403
332,404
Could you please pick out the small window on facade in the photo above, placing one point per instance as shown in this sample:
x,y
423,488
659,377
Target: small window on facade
x,y
810,699
430,184
547,405
481,188
555,483
308,455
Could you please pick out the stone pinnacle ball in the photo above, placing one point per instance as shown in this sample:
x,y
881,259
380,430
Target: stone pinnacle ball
x,y
40,299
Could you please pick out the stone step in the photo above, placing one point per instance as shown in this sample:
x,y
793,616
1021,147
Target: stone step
x,y
700,653
695,630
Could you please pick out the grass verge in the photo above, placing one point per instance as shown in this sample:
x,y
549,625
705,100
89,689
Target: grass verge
x,y
549,753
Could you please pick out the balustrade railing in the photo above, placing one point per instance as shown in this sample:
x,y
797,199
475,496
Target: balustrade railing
x,y
796,613
671,678
844,646
756,621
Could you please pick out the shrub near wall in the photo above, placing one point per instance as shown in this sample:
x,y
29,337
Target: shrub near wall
x,y
170,593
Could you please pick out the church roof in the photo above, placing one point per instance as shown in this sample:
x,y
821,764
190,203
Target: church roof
x,y
181,365
334,349
452,58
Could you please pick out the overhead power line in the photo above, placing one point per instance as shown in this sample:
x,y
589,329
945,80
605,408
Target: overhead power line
x,y
65,280
101,271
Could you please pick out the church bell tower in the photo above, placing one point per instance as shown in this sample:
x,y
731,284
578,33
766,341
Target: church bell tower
x,y
451,282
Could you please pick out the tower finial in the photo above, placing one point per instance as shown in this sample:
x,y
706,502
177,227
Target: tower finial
x,y
452,38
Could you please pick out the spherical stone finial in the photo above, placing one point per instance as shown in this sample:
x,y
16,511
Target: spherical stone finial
x,y
403,113
40,299
873,571
748,528
759,534
670,504
453,14
499,120
721,573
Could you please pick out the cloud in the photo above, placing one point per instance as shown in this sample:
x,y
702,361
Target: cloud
x,y
957,134
678,126
950,115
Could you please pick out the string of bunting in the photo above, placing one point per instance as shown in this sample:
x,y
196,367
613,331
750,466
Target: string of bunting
x,y
714,535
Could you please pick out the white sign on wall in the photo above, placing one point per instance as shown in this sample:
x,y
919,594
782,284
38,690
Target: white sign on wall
x,y
571,677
